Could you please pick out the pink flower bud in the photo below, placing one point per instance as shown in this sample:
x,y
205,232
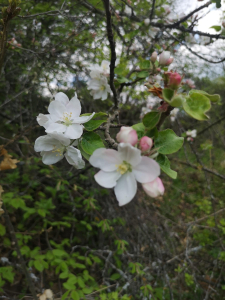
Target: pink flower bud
x,y
169,61
154,188
174,80
153,57
127,135
146,143
164,57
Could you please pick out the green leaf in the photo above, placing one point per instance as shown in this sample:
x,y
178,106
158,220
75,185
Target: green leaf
x,y
121,79
93,124
140,129
64,296
196,105
145,64
59,253
80,282
64,275
91,141
38,265
83,153
152,133
72,280
177,101
75,295
216,27
167,95
151,119
2,230
143,74
168,142
164,163
115,276
100,114
119,70
212,98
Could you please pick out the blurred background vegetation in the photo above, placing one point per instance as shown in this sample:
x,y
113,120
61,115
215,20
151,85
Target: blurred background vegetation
x,y
72,235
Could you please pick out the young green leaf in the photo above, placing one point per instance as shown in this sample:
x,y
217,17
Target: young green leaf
x,y
168,142
151,119
91,141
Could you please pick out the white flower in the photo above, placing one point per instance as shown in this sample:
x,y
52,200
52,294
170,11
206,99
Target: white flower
x,y
147,21
192,133
64,116
122,169
128,10
55,146
99,88
173,114
97,71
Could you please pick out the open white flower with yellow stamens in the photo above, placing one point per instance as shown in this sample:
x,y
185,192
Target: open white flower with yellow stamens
x,y
55,146
64,116
122,169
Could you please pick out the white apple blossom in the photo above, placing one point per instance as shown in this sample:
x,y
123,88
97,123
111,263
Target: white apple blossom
x,y
99,88
55,146
64,116
173,114
98,71
191,133
122,169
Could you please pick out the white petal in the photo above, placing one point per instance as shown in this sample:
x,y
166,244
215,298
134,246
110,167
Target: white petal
x,y
105,159
147,170
50,158
107,179
74,107
74,157
55,127
84,119
45,143
56,110
126,188
74,131
61,97
60,137
43,119
129,154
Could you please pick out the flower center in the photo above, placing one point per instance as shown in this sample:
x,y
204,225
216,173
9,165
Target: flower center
x,y
58,151
67,119
124,168
102,88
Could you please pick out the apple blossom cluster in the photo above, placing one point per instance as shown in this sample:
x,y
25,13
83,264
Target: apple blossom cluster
x,y
63,126
98,84
191,134
122,169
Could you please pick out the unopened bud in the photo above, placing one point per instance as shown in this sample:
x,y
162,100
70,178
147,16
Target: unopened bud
x,y
154,57
127,135
147,21
154,188
146,143
174,80
164,57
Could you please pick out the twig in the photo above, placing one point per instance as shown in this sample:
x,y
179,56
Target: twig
x,y
152,10
113,51
108,138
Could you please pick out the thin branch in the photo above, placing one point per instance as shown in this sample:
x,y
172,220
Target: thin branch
x,y
202,167
41,14
152,10
113,50
211,125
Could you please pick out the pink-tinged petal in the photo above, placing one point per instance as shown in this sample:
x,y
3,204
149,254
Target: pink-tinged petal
x,y
74,107
56,110
74,131
56,127
126,188
60,137
45,143
154,188
105,159
50,158
83,119
146,143
129,154
61,97
147,170
107,179
74,157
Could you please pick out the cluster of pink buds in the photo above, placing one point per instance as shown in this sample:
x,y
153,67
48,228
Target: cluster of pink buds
x,y
172,80
145,144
